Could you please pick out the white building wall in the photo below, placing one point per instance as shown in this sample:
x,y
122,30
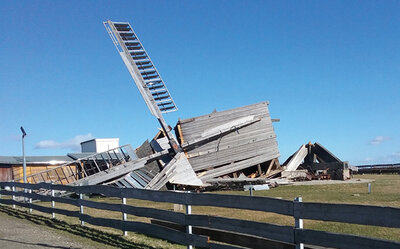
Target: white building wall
x,y
98,145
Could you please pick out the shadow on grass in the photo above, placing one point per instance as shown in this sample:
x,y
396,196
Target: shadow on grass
x,y
82,231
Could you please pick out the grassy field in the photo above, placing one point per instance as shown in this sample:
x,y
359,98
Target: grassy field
x,y
385,192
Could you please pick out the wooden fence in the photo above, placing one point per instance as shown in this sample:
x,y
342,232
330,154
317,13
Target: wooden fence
x,y
247,233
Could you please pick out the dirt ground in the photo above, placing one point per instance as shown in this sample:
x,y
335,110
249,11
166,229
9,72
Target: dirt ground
x,y
20,233
20,229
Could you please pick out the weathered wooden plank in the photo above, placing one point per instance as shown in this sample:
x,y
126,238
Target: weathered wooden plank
x,y
50,210
256,129
160,178
218,132
349,213
177,171
201,199
112,173
155,213
236,239
137,211
241,202
298,157
183,173
26,185
231,142
104,222
16,193
32,195
167,233
217,118
222,158
194,130
241,110
220,144
214,159
7,192
236,166
260,127
343,241
100,205
170,234
40,208
7,201
264,230
153,195
148,229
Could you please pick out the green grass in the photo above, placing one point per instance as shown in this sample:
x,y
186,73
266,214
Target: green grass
x,y
385,192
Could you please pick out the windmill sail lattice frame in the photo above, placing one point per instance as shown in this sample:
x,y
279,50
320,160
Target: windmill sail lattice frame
x,y
143,71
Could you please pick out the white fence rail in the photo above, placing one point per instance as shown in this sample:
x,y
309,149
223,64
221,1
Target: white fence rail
x,y
286,235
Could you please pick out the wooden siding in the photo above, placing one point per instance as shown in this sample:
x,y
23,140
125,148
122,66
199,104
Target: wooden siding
x,y
237,148
17,171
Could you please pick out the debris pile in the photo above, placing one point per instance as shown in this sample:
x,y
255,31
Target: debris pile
x,y
315,162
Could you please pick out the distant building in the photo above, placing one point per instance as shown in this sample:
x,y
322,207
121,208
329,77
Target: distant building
x,y
11,167
98,145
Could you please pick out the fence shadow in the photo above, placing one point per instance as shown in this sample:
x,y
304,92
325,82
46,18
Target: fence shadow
x,y
82,231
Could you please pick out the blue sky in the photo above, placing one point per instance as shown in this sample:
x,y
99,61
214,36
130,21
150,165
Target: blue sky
x,y
330,69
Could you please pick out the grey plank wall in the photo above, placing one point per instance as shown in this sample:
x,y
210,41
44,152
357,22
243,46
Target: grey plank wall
x,y
256,141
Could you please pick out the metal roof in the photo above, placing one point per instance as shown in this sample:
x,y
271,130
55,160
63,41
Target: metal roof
x,y
54,160
76,156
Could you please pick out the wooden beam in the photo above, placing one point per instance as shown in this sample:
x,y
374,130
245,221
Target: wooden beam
x,y
230,237
260,229
271,163
343,241
259,169
349,213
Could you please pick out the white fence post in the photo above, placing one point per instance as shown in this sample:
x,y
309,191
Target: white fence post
x,y
30,201
298,223
124,215
81,208
13,196
53,203
189,227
